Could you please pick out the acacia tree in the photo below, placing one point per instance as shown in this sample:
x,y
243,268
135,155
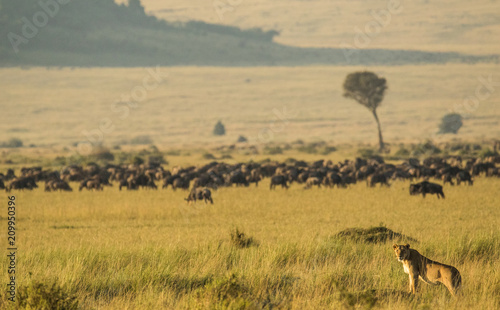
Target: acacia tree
x,y
368,90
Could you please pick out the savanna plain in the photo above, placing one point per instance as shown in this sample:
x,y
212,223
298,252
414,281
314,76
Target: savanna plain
x,y
148,249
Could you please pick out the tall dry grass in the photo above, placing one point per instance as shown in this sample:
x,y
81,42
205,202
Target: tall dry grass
x,y
150,250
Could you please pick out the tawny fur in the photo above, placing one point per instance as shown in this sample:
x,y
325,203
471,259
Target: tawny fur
x,y
418,267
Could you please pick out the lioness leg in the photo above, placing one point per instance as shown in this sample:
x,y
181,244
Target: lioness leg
x,y
413,283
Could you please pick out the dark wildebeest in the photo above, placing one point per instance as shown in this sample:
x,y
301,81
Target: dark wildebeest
x,y
90,184
333,179
200,194
447,179
464,176
426,188
278,180
2,185
22,183
54,185
311,181
377,178
180,183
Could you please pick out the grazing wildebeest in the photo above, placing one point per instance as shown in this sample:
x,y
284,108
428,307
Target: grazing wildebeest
x,y
22,183
53,185
2,185
90,184
333,179
278,180
447,178
236,178
426,188
377,178
464,176
311,181
180,183
200,194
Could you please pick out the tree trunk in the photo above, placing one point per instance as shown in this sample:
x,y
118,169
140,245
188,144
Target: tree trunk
x,y
380,140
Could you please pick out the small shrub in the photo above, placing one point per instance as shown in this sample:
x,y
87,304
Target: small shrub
x,y
239,240
141,140
102,153
367,153
273,150
156,160
450,123
13,143
428,148
219,129
45,296
402,152
487,153
327,150
242,139
208,156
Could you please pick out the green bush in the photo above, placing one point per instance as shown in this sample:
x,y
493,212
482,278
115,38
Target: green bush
x,y
487,152
13,143
46,296
208,156
273,150
450,123
427,149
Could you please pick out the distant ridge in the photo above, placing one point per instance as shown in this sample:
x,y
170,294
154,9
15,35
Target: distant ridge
x,y
103,33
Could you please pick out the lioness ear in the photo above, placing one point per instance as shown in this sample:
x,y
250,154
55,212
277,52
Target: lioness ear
x,y
407,246
394,246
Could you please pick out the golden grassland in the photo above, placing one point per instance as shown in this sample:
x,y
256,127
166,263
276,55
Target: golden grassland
x,y
150,250
53,108
447,25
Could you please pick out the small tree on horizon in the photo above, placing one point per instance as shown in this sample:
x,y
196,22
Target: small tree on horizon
x,y
368,90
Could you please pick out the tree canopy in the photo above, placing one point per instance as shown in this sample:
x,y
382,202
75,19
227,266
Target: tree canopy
x,y
366,88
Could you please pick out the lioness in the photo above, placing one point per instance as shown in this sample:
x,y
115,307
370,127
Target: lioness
x,y
416,265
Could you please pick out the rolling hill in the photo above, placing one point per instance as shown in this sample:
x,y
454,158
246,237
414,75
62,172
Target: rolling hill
x,y
104,33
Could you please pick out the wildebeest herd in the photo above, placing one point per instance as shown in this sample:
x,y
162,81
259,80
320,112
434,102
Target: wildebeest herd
x,y
202,179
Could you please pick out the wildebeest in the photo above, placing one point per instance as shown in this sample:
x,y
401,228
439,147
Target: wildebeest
x,y
278,179
426,188
311,181
180,183
22,183
90,184
464,176
53,185
377,178
200,194
447,179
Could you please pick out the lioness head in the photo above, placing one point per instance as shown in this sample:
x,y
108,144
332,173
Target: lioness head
x,y
402,251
